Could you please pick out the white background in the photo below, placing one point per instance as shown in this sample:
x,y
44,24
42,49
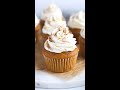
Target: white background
x,y
67,6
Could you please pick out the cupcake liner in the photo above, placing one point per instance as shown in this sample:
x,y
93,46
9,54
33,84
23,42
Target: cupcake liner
x,y
60,65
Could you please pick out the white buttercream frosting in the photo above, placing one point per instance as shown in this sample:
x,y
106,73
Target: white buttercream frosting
x,y
77,20
52,23
61,40
51,10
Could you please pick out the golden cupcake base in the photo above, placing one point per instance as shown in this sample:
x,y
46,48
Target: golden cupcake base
x,y
60,65
61,62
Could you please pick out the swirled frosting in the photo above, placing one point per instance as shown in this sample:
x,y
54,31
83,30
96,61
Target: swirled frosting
x,y
51,10
52,23
61,40
77,20
36,20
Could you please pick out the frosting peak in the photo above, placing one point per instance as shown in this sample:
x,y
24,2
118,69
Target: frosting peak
x,y
52,7
61,40
51,10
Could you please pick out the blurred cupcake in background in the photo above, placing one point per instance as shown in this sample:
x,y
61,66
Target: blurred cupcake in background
x,y
50,25
82,42
51,10
76,23
37,29
36,23
60,50
39,62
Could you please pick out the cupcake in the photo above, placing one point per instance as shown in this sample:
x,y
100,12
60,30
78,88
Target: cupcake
x,y
51,10
60,51
82,43
76,23
37,29
50,24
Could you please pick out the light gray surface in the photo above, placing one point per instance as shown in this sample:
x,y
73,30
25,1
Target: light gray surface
x,y
44,79
77,88
67,6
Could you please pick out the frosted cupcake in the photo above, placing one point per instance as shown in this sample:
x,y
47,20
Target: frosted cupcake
x,y
82,43
50,24
60,51
76,23
51,10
